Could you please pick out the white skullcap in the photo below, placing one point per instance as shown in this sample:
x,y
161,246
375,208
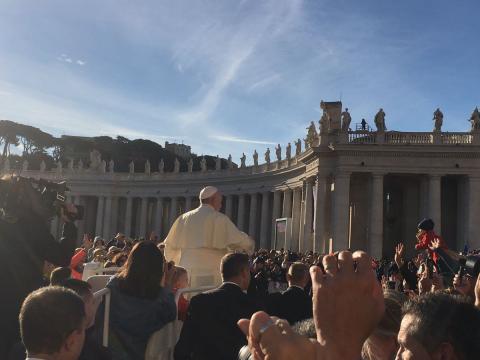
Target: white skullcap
x,y
207,192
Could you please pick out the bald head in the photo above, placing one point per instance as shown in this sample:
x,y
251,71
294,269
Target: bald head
x,y
298,274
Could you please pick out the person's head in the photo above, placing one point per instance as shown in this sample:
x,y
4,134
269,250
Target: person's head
x,y
382,343
143,272
84,290
59,275
298,274
98,242
180,278
439,326
211,196
425,225
52,323
235,268
99,255
258,264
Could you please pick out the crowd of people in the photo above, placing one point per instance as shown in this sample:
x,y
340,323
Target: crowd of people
x,y
269,304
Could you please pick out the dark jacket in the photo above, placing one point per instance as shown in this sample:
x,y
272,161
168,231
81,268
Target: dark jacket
x,y
210,330
133,320
293,305
24,247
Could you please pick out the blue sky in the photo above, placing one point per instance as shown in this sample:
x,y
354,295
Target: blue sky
x,y
231,76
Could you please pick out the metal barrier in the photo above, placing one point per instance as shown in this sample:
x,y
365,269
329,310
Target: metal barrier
x,y
106,317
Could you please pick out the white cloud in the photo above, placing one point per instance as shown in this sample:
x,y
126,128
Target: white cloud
x,y
229,138
81,62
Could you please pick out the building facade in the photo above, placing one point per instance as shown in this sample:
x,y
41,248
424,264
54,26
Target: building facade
x,y
344,188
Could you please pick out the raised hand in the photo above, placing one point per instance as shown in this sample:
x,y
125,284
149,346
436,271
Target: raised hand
x,y
399,253
87,242
272,338
434,244
347,304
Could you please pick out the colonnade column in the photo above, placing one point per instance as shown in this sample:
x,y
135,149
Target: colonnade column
x,y
264,220
307,244
375,240
252,221
107,218
80,223
114,217
287,204
435,201
99,222
173,212
296,212
188,203
276,212
159,217
341,207
473,211
241,212
143,217
228,205
128,217
319,244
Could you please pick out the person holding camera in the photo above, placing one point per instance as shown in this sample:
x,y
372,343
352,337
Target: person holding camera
x,y
25,244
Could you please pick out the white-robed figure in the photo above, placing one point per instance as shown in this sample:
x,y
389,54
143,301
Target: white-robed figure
x,y
200,238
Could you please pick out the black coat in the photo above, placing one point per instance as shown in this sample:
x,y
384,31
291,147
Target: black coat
x,y
210,330
293,305
24,246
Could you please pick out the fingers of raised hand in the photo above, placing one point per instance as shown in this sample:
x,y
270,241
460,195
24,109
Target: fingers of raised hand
x,y
345,262
330,264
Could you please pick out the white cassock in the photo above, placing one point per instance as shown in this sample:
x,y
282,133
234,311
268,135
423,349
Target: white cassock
x,y
199,239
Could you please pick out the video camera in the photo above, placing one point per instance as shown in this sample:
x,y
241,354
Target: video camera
x,y
469,265
18,193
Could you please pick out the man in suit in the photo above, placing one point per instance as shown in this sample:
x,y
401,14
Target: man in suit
x,y
294,304
210,330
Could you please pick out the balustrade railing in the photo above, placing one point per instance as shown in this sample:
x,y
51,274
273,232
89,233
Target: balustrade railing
x,y
407,138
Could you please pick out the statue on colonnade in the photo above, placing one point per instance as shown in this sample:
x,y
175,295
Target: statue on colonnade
x,y
311,135
475,120
242,160
438,118
230,163
176,166
255,157
161,166
103,166
278,152
147,167
298,147
267,156
380,120
346,120
288,151
95,160
203,164
111,166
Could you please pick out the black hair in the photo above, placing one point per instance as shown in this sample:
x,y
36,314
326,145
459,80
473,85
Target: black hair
x,y
442,317
81,288
232,265
59,275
